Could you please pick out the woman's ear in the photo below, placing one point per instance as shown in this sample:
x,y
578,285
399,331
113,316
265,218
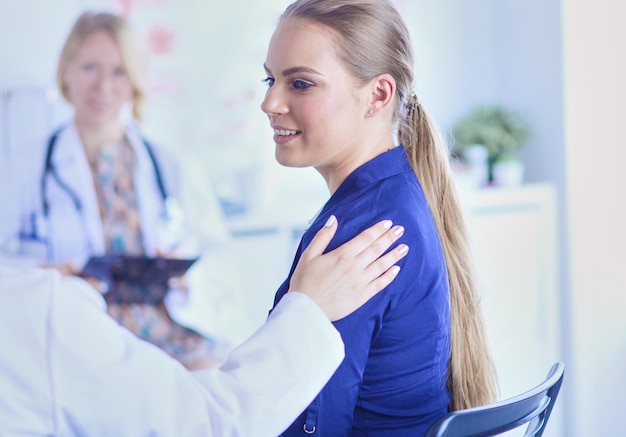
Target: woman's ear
x,y
383,90
63,81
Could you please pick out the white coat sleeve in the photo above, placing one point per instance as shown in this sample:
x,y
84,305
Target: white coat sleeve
x,y
107,382
271,378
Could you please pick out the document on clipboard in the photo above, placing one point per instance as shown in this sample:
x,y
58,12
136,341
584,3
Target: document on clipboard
x,y
135,279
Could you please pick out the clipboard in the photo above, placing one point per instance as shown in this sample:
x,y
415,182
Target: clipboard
x,y
135,279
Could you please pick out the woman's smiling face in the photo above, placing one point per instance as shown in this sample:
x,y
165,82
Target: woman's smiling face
x,y
315,107
96,79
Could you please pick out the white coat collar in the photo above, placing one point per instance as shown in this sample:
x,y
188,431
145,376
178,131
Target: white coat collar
x,y
70,161
150,202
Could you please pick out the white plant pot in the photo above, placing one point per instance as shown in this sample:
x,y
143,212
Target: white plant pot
x,y
508,173
476,157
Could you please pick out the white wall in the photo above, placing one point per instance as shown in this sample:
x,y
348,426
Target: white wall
x,y
31,36
595,92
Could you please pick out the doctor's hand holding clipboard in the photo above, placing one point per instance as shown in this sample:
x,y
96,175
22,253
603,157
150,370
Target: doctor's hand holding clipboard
x,y
96,187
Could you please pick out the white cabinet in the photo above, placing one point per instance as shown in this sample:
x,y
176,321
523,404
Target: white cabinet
x,y
513,233
514,241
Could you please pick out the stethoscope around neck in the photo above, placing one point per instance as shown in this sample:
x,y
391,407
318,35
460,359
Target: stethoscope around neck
x,y
171,210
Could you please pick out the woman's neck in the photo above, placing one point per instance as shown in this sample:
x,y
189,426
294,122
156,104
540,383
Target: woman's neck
x,y
335,174
95,136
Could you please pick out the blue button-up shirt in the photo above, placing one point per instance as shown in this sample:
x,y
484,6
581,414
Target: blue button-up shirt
x,y
393,379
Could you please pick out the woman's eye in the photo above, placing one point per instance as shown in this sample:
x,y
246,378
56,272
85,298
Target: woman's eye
x,y
269,81
119,72
89,67
300,84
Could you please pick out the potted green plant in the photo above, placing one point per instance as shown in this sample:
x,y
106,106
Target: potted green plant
x,y
500,130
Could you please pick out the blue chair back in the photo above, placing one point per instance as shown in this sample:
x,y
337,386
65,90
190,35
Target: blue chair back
x,y
532,408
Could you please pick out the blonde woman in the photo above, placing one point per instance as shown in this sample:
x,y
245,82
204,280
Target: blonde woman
x,y
97,186
340,99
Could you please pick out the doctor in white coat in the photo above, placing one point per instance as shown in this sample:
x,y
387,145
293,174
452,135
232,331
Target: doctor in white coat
x,y
97,186
67,369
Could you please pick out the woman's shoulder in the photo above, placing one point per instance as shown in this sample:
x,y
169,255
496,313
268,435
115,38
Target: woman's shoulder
x,y
397,196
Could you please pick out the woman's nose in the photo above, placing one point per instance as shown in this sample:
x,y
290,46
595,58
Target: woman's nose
x,y
104,82
274,103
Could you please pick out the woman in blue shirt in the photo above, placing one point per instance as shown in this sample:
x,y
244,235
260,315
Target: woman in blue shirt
x,y
340,99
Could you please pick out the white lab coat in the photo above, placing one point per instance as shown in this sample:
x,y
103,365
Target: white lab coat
x,y
68,369
27,238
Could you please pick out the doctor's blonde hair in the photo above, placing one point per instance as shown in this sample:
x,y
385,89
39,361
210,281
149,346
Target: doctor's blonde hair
x,y
372,39
119,29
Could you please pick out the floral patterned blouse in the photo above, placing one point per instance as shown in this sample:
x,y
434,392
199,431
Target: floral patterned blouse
x,y
113,167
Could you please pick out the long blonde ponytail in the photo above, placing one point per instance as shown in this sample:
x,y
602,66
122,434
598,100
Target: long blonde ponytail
x,y
471,379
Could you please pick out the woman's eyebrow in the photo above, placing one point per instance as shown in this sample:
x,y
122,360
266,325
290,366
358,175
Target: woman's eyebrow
x,y
293,70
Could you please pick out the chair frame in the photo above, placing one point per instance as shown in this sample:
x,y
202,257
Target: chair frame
x,y
532,407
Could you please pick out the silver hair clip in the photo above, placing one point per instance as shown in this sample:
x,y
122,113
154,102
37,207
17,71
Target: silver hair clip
x,y
412,104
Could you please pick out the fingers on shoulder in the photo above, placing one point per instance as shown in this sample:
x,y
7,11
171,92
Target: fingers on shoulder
x,y
366,238
380,282
322,237
384,241
386,262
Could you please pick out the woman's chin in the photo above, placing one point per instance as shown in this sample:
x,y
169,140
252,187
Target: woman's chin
x,y
286,160
94,118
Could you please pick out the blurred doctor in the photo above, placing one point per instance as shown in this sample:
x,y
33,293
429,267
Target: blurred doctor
x,y
97,186
67,369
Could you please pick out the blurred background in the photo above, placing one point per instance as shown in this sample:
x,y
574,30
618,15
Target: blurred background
x,y
550,250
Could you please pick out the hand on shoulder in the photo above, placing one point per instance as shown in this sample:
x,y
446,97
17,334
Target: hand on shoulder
x,y
344,279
